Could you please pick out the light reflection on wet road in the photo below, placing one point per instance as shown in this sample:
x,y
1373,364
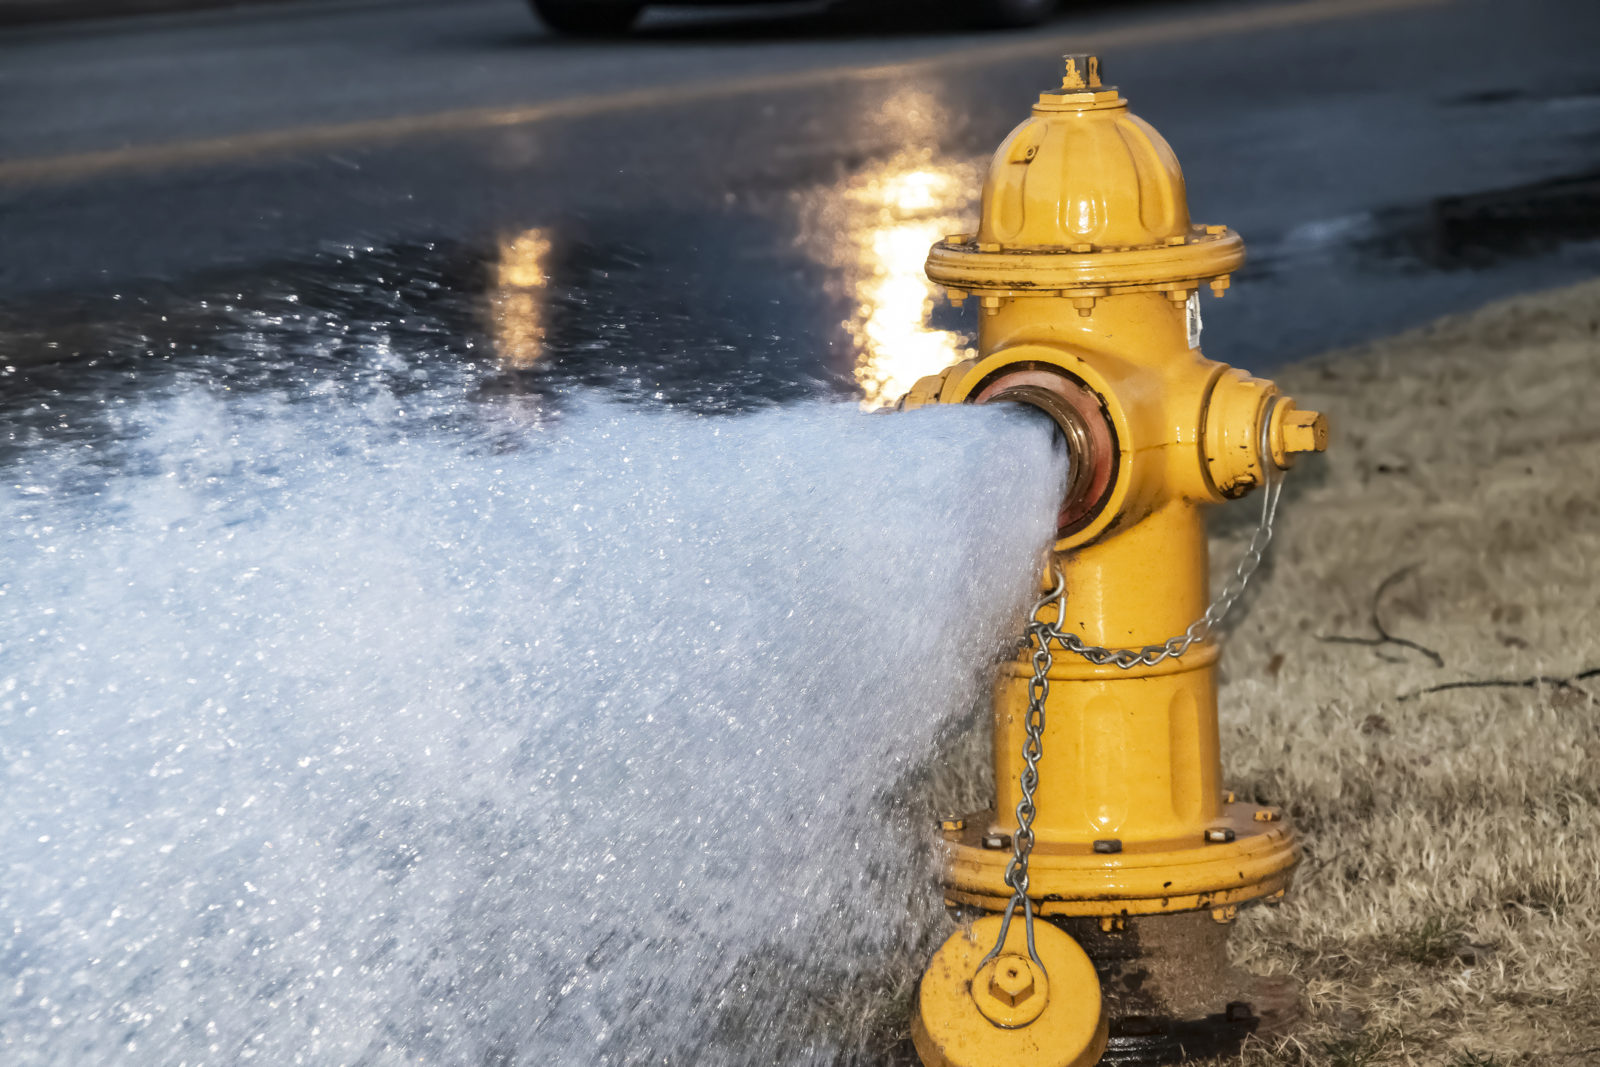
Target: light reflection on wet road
x,y
768,244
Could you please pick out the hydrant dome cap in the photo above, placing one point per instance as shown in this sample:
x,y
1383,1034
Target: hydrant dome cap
x,y
1084,194
1104,178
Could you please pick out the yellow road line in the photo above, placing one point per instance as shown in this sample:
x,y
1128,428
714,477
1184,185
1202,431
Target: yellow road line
x,y
303,138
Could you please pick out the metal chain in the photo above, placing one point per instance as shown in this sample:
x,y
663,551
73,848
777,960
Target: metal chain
x,y
1016,876
1039,634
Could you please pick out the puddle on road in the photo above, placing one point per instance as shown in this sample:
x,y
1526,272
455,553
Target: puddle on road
x,y
532,315
819,293
766,294
1480,230
1576,97
1476,231
875,230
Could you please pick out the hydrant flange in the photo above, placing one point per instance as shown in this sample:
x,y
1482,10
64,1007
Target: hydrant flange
x,y
966,262
1244,859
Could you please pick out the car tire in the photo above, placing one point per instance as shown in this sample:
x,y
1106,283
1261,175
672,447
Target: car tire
x,y
1010,14
587,18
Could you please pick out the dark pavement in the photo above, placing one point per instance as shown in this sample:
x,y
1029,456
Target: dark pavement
x,y
734,207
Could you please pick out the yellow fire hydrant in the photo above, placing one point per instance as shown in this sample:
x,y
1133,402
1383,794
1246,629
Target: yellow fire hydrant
x,y
1111,823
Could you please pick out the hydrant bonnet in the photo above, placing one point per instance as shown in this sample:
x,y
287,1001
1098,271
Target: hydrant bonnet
x,y
1083,195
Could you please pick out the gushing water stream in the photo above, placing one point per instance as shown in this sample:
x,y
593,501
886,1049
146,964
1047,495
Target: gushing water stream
x,y
357,730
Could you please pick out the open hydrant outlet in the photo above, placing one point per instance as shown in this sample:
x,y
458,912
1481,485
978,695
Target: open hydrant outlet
x,y
1086,432
1110,819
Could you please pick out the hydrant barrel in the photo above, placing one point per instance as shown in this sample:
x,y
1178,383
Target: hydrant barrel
x,y
1087,268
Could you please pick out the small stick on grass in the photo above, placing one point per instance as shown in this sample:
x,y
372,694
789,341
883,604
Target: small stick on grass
x,y
1570,682
1384,636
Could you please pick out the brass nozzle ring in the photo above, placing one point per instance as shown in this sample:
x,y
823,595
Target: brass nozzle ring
x,y
1089,438
1073,428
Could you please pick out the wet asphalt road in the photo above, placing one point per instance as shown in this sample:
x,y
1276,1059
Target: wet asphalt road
x,y
733,208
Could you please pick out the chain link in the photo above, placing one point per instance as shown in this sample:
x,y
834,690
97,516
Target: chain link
x,y
1039,635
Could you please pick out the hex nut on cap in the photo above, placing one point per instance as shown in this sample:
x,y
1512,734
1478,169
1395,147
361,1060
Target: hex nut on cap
x,y
1012,981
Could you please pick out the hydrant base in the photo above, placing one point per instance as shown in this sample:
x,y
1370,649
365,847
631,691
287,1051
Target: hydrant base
x,y
1255,860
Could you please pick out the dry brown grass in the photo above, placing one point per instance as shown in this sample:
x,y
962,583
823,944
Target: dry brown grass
x,y
1448,911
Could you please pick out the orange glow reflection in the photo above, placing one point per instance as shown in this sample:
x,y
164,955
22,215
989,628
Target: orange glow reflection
x,y
875,228
905,209
516,304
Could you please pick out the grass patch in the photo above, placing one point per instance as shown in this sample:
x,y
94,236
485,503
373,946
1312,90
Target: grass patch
x,y
1359,1051
1444,780
1431,943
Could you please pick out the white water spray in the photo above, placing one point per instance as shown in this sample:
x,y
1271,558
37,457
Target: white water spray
x,y
331,735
